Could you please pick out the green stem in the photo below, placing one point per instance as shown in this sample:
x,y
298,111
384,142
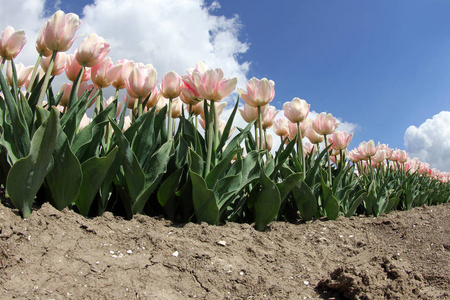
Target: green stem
x,y
47,78
2,64
216,126
256,134
210,127
33,75
265,140
260,128
98,101
169,121
300,149
77,84
330,181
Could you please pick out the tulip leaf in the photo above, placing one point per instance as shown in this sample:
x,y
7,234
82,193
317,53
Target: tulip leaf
x,y
305,200
205,205
329,202
267,203
236,141
64,179
226,130
134,176
214,174
27,174
20,132
167,193
195,162
288,184
94,172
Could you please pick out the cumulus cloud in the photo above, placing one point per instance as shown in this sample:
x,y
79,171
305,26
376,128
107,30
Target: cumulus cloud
x,y
430,142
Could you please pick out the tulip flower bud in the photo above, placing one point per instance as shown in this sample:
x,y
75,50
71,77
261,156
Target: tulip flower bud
x,y
11,43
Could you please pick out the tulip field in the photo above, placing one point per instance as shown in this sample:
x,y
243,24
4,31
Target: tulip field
x,y
163,148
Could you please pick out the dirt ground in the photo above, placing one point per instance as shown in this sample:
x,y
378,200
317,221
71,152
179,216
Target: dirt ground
x,y
61,255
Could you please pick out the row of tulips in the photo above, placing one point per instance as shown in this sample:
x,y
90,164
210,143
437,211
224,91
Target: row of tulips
x,y
156,159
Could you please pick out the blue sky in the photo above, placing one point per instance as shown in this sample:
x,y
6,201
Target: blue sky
x,y
382,67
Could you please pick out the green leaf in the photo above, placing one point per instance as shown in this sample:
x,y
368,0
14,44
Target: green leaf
x,y
288,184
226,130
27,174
167,193
329,201
236,141
94,172
267,203
205,205
218,169
195,162
64,179
305,200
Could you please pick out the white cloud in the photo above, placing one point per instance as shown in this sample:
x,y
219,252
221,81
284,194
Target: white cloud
x,y
430,142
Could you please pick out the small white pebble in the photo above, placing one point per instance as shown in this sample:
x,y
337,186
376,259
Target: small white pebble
x,y
129,251
222,243
350,236
112,252
306,282
175,254
341,236
241,273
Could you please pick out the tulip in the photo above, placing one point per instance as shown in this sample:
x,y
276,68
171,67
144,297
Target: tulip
x,y
154,98
379,157
197,109
280,127
309,148
325,124
171,85
313,136
41,48
340,140
268,116
59,31
23,74
65,89
73,68
92,50
85,121
105,73
110,100
259,92
212,86
141,81
367,149
402,156
249,113
297,110
11,43
59,63
125,71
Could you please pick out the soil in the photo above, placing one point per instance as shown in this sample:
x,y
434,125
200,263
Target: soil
x,y
62,255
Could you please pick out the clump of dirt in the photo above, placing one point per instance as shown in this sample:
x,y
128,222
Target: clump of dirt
x,y
60,254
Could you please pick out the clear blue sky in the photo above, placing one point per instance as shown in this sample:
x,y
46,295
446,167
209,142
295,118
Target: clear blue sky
x,y
384,65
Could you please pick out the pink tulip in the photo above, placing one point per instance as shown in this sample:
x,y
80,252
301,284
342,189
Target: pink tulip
x,y
72,69
268,116
85,121
125,71
92,50
340,140
309,148
367,149
154,98
23,74
379,157
269,144
40,44
402,156
259,92
296,110
325,124
249,113
197,109
176,108
110,100
171,85
312,135
105,73
58,67
355,156
141,81
280,127
59,31
11,43
212,86
65,89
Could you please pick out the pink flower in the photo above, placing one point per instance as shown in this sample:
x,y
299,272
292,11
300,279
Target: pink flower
x,y
197,109
176,108
268,116
65,89
40,44
340,140
125,71
311,134
59,31
85,121
141,81
325,124
379,157
171,85
402,156
23,74
11,42
110,100
72,69
355,156
309,148
280,127
259,92
58,67
105,73
212,86
154,98
92,50
249,113
367,149
296,110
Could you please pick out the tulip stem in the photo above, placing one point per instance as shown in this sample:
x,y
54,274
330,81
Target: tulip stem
x,y
210,138
300,149
260,128
33,75
77,85
216,127
98,101
2,64
169,121
330,181
47,78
